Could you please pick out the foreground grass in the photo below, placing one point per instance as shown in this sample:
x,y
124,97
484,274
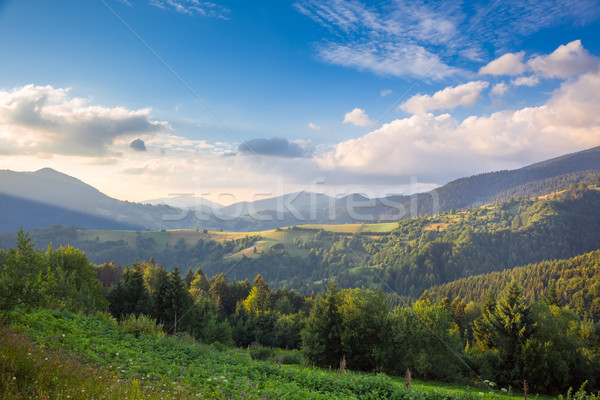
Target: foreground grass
x,y
59,355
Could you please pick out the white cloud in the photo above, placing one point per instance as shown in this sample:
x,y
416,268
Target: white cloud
x,y
566,61
45,120
448,98
441,147
508,64
393,40
313,126
399,37
192,7
358,117
499,89
388,59
385,92
526,81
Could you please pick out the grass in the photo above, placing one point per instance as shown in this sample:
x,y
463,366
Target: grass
x,y
59,355
270,238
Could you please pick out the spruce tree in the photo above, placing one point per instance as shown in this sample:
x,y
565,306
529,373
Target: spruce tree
x,y
322,335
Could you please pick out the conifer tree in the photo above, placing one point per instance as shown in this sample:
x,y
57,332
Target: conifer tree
x,y
189,277
322,336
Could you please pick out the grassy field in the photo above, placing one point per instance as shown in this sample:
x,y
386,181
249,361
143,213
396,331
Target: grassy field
x,y
59,355
284,236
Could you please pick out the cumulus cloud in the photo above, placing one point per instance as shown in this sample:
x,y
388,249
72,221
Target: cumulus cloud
x,y
566,61
138,145
385,92
313,126
358,117
279,147
442,147
508,64
526,81
448,98
46,120
499,89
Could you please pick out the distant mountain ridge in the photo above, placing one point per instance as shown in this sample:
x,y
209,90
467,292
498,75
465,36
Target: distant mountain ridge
x,y
483,188
69,201
47,197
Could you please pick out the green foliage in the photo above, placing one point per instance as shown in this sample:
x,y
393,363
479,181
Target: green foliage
x,y
424,339
61,278
97,357
137,325
261,353
574,282
322,335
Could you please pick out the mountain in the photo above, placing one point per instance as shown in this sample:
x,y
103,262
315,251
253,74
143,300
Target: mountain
x,y
75,202
485,188
47,197
188,202
299,204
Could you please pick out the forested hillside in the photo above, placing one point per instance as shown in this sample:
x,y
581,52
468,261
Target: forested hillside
x,y
574,282
429,251
417,254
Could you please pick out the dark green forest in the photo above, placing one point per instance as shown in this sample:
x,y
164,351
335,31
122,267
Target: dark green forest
x,y
574,283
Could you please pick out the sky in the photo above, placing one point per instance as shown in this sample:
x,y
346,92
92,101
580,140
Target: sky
x,y
237,100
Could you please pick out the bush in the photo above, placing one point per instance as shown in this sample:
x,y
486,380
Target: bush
x,y
141,324
288,356
262,353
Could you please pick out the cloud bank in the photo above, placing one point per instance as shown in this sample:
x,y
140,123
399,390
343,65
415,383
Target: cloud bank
x,y
442,147
45,120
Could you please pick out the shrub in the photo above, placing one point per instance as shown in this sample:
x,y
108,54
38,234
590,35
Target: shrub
x,y
262,353
141,324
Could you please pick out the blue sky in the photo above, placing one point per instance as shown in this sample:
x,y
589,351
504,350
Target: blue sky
x,y
234,101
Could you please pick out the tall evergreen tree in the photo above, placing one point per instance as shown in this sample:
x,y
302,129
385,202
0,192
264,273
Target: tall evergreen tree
x,y
189,277
177,299
512,327
199,286
220,292
483,327
322,335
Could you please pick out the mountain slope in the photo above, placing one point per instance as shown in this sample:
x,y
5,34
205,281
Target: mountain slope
x,y
483,188
69,194
575,282
47,197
